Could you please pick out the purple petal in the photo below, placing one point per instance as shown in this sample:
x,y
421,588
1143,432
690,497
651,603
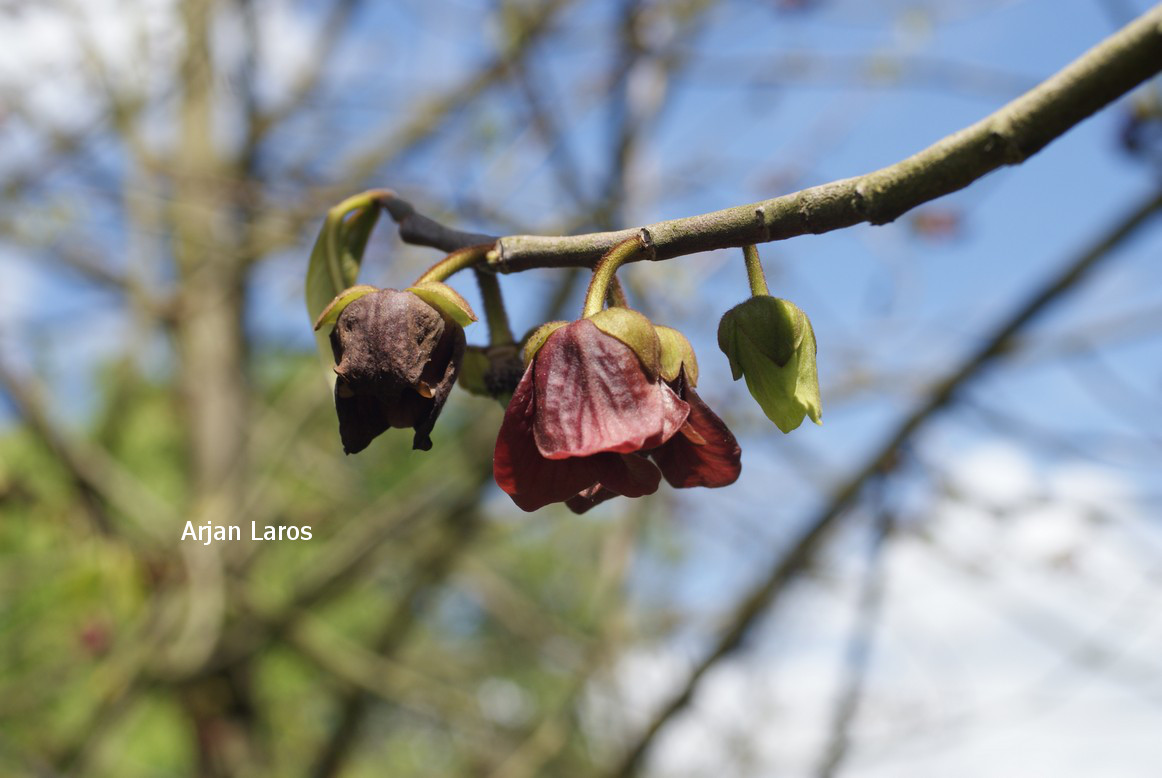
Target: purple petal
x,y
593,396
706,455
531,480
629,475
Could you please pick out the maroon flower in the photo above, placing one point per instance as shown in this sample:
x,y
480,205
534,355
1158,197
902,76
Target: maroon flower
x,y
584,406
589,410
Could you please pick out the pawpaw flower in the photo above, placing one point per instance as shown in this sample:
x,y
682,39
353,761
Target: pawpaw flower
x,y
705,452
592,404
397,354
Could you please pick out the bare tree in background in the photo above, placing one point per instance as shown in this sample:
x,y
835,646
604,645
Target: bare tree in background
x,y
168,164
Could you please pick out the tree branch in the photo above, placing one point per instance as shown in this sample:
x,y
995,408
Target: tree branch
x,y
1007,137
767,591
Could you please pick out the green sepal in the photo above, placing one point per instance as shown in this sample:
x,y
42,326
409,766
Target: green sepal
x,y
535,339
634,330
446,300
676,354
331,313
771,342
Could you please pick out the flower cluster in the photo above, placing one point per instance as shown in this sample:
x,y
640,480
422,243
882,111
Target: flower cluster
x,y
597,408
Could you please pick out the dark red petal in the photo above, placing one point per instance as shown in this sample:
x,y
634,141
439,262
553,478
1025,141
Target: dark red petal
x,y
593,396
674,414
593,496
629,475
518,467
685,463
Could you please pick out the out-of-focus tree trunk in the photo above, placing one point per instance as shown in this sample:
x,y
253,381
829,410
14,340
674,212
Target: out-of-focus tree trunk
x,y
212,373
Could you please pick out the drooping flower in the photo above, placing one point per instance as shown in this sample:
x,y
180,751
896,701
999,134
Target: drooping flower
x,y
591,408
396,359
586,404
703,453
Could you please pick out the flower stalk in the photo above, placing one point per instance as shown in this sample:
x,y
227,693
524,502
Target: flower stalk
x,y
603,274
754,271
499,330
616,294
461,259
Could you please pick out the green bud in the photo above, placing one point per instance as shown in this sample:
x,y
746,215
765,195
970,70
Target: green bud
x,y
676,354
771,342
472,370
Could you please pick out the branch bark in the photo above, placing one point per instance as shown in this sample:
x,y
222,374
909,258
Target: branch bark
x,y
1007,137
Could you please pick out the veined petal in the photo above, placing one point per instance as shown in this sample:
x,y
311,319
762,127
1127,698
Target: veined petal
x,y
531,480
593,396
716,461
439,376
675,411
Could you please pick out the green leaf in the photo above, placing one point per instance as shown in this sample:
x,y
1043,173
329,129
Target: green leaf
x,y
676,354
634,330
331,313
334,264
337,255
446,300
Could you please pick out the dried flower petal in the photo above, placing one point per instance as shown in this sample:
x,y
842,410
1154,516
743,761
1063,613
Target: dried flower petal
x,y
396,362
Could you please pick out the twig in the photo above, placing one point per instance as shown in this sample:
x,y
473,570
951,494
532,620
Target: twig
x,y
374,674
105,487
429,572
859,648
767,592
429,114
347,556
337,20
1007,137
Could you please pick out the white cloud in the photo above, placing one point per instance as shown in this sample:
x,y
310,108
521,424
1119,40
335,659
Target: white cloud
x,y
1019,641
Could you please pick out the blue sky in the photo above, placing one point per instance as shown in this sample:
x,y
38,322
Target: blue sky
x,y
894,305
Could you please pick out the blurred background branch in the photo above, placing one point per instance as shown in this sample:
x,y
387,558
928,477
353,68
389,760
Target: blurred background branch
x,y
163,169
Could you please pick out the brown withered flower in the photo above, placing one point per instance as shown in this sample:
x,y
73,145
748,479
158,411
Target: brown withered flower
x,y
396,359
